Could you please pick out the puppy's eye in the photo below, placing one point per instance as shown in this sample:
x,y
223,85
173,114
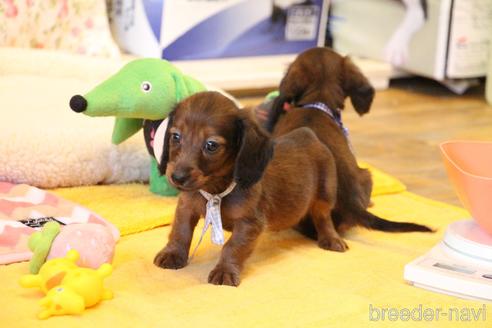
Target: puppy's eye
x,y
211,146
146,86
175,137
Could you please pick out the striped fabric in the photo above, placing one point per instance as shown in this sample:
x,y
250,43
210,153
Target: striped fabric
x,y
24,209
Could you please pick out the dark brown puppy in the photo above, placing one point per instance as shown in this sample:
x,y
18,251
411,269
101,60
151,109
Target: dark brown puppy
x,y
210,143
320,75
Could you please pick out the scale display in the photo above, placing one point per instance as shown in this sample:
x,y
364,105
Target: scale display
x,y
460,265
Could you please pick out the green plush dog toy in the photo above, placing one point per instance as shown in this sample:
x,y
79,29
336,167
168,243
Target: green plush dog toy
x,y
141,94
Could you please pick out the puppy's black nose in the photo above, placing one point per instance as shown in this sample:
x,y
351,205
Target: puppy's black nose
x,y
78,104
180,177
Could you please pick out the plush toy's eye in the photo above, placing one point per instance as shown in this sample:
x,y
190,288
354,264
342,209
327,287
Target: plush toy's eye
x,y
146,86
211,146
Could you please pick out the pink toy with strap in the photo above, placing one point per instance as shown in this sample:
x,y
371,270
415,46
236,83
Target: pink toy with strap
x,y
25,209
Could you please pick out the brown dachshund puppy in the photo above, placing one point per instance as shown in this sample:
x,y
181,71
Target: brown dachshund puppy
x,y
312,93
210,143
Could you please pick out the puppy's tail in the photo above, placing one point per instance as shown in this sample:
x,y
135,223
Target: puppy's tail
x,y
344,221
371,221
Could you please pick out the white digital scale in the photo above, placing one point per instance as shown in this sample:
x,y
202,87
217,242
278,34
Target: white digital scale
x,y
460,265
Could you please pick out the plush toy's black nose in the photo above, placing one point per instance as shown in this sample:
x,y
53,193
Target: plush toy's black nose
x,y
78,104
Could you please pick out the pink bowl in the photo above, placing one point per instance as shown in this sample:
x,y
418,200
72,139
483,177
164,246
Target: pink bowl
x,y
469,167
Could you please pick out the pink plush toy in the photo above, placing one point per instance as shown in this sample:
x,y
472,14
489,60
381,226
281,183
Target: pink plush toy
x,y
94,242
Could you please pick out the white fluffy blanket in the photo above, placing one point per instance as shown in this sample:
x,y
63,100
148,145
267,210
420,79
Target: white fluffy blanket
x,y
42,142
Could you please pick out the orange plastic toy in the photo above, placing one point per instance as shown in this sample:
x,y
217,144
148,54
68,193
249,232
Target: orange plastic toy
x,y
469,167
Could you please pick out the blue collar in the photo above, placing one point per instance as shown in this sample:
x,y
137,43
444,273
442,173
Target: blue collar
x,y
335,114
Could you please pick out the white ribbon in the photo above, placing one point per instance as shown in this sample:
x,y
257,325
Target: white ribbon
x,y
213,217
212,214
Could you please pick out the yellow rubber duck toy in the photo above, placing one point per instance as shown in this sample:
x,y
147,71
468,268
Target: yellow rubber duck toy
x,y
69,289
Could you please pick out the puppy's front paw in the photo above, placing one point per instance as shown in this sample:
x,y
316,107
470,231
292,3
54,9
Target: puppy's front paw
x,y
170,259
223,275
336,244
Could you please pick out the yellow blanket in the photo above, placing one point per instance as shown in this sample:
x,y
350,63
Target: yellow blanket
x,y
133,208
288,282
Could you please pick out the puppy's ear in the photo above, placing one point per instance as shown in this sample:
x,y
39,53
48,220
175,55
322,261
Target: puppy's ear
x,y
291,89
357,87
275,112
164,158
255,151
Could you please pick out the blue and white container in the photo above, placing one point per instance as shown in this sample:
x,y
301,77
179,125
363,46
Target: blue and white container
x,y
202,29
226,33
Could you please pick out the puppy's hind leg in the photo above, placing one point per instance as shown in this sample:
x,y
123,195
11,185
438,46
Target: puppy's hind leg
x,y
365,180
328,237
322,207
307,228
